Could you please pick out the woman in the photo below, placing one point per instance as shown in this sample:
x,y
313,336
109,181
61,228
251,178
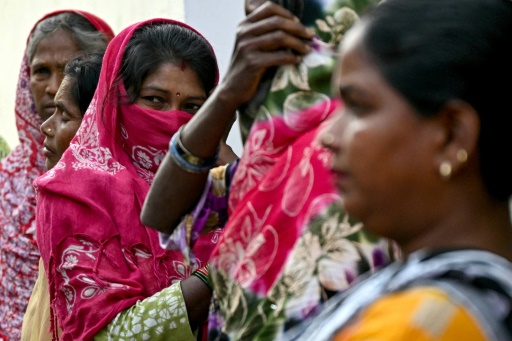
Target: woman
x,y
55,39
75,93
423,107
287,246
155,76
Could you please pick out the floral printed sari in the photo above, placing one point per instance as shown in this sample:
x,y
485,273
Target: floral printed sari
x,y
287,245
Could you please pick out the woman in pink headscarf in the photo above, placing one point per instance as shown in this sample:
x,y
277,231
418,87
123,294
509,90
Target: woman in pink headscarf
x,y
287,245
102,262
55,38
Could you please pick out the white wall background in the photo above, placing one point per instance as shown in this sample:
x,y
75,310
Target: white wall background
x,y
216,19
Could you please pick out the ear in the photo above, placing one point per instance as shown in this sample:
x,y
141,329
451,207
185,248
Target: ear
x,y
461,126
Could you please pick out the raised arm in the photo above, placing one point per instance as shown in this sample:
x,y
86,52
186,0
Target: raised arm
x,y
269,36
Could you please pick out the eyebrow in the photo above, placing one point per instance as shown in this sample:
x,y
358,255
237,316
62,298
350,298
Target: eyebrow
x,y
61,106
156,88
43,63
350,90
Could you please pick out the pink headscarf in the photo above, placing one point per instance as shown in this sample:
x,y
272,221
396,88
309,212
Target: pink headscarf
x,y
19,255
99,257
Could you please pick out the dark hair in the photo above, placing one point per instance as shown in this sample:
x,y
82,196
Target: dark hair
x,y
158,43
433,51
85,35
84,71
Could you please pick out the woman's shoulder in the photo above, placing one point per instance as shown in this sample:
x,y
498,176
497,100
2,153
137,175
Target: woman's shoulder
x,y
422,313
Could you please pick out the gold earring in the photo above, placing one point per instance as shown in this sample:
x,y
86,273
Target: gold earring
x,y
445,170
462,155
327,139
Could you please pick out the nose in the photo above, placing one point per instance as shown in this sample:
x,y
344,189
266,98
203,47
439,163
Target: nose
x,y
47,127
174,104
330,135
53,83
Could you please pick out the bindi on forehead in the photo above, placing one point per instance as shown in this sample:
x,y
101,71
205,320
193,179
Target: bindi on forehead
x,y
183,66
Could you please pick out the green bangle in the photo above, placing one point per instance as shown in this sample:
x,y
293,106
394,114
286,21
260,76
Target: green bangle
x,y
202,274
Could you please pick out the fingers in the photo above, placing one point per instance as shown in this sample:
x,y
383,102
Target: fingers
x,y
270,36
271,18
268,9
274,41
271,27
257,61
251,5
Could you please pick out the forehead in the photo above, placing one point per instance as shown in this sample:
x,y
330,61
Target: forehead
x,y
64,93
170,76
352,58
57,47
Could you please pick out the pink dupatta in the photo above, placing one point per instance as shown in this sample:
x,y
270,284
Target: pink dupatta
x,y
19,255
99,257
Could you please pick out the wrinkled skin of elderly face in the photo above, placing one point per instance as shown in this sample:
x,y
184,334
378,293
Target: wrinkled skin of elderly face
x,y
47,69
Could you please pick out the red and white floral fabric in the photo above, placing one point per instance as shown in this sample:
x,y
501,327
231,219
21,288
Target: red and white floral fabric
x,y
19,255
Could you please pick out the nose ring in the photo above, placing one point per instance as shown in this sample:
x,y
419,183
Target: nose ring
x,y
49,130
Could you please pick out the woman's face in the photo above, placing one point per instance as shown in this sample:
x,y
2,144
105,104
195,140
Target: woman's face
x,y
382,149
62,126
46,69
172,87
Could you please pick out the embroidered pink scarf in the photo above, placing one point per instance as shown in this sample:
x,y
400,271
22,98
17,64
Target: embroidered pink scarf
x,y
19,255
99,257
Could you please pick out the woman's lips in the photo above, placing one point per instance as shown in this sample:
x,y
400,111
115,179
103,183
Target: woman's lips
x,y
340,177
47,152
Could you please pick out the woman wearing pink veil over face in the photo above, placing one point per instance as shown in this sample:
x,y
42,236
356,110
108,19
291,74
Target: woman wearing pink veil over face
x,y
102,262
287,245
54,40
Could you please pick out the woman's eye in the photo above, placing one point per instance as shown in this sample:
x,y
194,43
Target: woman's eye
x,y
192,107
153,99
41,71
354,107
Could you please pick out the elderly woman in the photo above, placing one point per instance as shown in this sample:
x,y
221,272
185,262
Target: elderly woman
x,y
54,40
72,99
